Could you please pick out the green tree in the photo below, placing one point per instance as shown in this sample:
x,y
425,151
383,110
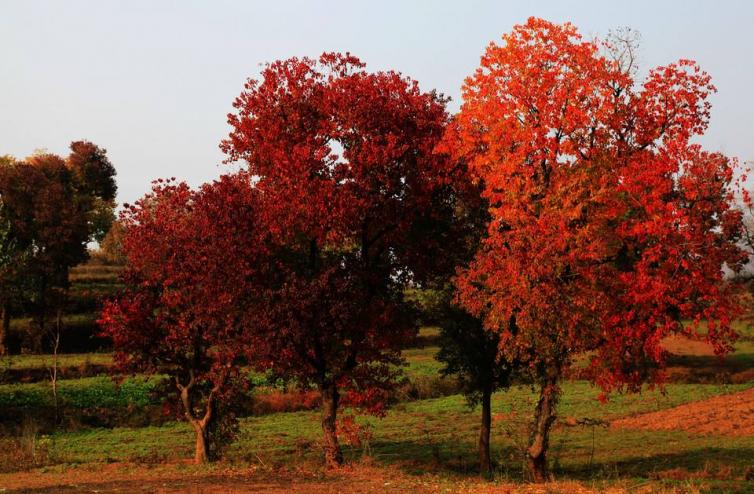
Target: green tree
x,y
471,353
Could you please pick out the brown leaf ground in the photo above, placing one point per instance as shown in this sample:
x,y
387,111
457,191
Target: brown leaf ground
x,y
731,414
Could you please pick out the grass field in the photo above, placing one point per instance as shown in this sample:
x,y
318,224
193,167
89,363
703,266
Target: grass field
x,y
425,432
437,437
425,443
422,437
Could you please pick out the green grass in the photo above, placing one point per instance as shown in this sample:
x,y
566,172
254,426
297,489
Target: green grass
x,y
743,356
43,361
69,320
90,392
418,436
419,356
421,435
421,363
421,366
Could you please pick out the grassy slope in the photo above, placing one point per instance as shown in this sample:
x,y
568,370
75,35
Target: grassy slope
x,y
441,433
419,436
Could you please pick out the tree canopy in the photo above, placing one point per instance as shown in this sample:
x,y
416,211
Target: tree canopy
x,y
609,228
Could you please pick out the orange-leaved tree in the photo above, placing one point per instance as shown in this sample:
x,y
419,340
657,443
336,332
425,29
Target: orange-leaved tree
x,y
609,229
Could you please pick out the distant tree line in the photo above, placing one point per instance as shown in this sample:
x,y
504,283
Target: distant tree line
x,y
51,208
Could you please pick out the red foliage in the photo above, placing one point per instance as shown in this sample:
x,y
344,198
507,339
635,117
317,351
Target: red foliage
x,y
347,177
192,282
41,204
357,435
192,256
51,205
608,227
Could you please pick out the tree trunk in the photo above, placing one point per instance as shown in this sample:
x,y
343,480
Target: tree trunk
x,y
485,464
544,416
5,329
41,315
330,397
201,453
54,369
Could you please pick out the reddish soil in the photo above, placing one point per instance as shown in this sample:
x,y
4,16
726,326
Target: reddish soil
x,y
682,345
170,479
731,414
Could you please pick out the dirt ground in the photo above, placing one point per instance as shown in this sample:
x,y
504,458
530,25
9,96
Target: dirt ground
x,y
731,414
694,361
171,479
681,345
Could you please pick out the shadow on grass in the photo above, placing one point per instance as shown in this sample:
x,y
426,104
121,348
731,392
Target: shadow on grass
x,y
724,468
735,362
709,369
708,462
460,459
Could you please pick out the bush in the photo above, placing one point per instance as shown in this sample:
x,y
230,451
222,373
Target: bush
x,y
423,387
267,400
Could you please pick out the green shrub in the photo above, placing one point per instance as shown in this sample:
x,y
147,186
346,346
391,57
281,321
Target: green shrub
x,y
92,392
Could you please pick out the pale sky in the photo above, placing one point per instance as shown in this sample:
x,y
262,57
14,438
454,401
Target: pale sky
x,y
152,81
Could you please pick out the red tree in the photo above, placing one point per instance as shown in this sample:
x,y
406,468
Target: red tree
x,y
193,258
608,228
347,179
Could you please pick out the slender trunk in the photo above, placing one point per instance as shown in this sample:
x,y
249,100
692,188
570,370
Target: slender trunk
x,y
201,452
41,315
330,397
38,340
544,416
5,329
485,464
54,369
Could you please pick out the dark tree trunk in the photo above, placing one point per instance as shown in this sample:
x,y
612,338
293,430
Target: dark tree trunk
x,y
330,397
544,416
4,329
41,315
485,463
